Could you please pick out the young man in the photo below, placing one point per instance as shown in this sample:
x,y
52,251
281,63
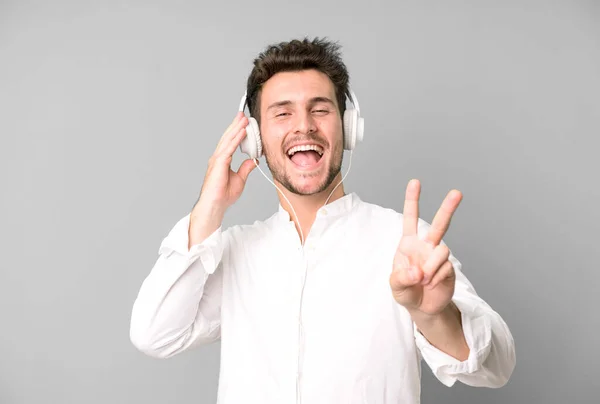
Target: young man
x,y
331,299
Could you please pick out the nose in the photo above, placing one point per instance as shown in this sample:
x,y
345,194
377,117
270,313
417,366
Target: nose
x,y
304,123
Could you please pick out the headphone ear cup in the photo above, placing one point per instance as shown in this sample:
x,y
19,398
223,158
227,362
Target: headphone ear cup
x,y
350,126
359,130
256,136
252,144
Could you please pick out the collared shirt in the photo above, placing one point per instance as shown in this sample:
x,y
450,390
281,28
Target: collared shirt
x,y
306,325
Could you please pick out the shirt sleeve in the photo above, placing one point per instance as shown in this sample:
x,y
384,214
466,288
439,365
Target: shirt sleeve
x,y
179,303
491,359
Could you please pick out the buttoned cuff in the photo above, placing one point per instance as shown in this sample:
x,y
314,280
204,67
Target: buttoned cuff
x,y
208,251
478,335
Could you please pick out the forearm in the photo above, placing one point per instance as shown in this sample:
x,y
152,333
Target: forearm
x,y
444,331
205,218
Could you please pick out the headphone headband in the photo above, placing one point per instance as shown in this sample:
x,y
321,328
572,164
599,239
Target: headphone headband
x,y
354,100
243,102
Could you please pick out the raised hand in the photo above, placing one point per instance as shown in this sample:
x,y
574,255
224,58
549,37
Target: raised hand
x,y
423,278
222,186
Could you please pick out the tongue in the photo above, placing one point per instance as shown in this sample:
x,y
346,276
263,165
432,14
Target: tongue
x,y
306,158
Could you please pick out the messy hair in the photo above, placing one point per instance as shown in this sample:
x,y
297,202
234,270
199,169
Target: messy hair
x,y
296,55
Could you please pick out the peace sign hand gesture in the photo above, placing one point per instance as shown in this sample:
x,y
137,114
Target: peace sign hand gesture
x,y
423,278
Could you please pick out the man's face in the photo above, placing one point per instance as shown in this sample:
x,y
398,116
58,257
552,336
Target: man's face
x,y
301,130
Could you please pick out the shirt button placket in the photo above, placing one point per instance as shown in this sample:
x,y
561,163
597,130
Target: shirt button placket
x,y
301,277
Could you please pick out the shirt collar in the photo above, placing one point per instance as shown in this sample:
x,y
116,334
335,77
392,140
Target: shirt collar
x,y
339,207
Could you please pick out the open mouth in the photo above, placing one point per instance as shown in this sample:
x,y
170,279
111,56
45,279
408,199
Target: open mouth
x,y
305,156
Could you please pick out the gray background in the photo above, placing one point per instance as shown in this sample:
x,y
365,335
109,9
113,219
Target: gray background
x,y
110,111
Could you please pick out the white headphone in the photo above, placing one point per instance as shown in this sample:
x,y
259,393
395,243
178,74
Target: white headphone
x,y
354,127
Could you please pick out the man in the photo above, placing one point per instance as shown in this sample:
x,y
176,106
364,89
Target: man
x,y
331,299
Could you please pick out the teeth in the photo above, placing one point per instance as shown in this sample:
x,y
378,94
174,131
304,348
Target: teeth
x,y
314,147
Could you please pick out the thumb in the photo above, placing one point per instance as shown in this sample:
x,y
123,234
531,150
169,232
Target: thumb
x,y
403,278
402,282
245,168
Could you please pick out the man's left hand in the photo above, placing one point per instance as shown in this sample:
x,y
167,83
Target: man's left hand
x,y
423,278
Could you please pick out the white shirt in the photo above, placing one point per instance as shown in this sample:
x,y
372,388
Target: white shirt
x,y
318,325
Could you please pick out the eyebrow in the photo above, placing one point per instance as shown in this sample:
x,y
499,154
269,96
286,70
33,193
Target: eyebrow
x,y
312,101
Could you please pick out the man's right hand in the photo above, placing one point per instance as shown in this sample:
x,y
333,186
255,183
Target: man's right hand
x,y
222,186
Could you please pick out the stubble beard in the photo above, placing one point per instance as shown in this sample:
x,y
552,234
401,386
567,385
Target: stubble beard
x,y
283,177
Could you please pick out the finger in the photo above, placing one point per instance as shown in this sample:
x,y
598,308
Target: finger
x,y
237,117
403,292
435,261
441,221
445,272
246,168
239,122
236,139
403,278
411,208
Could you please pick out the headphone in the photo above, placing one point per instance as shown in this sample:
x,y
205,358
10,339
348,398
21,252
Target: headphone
x,y
354,127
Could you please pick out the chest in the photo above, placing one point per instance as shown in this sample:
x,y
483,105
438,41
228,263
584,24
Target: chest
x,y
333,289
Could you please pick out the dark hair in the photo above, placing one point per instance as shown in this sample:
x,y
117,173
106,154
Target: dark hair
x,y
296,55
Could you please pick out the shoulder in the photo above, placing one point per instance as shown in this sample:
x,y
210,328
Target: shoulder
x,y
382,217
369,210
257,230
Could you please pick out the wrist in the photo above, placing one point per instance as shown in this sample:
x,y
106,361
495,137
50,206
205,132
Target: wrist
x,y
208,212
204,220
449,313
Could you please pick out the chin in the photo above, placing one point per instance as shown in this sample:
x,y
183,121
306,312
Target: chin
x,y
305,180
310,183
309,188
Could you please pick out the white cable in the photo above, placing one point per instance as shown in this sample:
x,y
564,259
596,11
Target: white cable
x,y
342,180
288,201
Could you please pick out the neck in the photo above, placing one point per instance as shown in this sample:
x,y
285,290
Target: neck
x,y
306,206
